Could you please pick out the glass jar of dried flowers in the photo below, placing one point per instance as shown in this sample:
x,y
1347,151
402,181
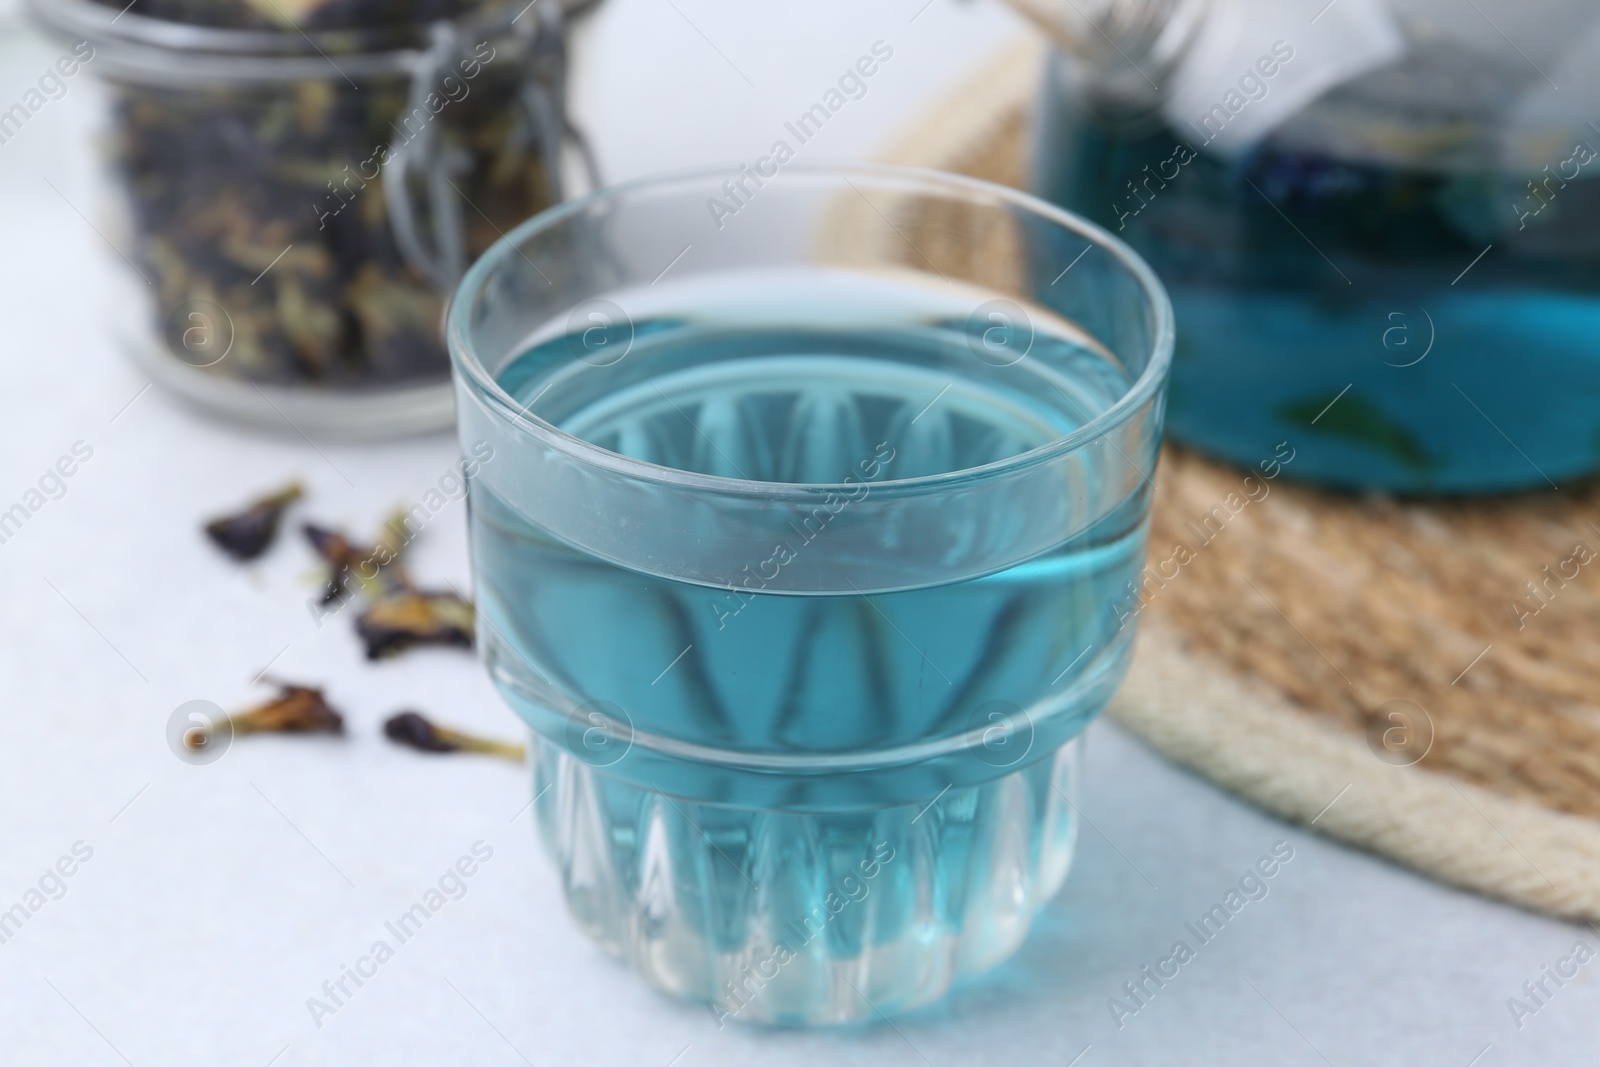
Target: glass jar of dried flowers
x,y
300,183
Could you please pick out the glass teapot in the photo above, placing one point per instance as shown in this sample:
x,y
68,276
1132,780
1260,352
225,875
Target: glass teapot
x,y
1379,221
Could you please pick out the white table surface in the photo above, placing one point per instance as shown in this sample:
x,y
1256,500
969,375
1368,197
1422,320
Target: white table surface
x,y
219,898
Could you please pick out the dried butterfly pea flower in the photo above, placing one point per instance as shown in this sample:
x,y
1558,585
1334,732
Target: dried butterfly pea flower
x,y
405,619
248,534
341,555
297,709
398,615
374,569
414,731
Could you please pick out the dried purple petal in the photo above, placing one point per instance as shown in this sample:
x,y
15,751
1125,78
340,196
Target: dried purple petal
x,y
405,619
249,533
414,731
375,569
297,709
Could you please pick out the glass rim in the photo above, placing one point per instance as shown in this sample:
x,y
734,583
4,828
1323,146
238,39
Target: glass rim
x,y
470,369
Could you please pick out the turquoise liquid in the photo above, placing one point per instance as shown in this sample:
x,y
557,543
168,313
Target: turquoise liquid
x,y
705,871
1298,277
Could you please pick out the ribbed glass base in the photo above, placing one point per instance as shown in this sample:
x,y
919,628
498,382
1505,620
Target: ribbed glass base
x,y
807,919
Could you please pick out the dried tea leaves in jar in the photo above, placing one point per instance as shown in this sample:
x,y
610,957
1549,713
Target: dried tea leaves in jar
x,y
305,180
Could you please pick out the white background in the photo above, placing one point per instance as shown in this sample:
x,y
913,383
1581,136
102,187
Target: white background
x,y
219,898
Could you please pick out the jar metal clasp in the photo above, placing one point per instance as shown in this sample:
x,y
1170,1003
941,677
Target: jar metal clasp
x,y
427,167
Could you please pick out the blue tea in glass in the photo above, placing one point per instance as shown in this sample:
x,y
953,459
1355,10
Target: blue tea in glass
x,y
799,553
1401,275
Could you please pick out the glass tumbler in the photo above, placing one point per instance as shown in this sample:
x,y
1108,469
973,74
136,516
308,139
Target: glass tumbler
x,y
806,548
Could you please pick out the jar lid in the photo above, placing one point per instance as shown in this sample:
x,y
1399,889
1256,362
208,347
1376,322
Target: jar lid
x,y
200,42
308,15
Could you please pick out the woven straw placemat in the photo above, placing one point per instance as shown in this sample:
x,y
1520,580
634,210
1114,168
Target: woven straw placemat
x,y
1380,669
